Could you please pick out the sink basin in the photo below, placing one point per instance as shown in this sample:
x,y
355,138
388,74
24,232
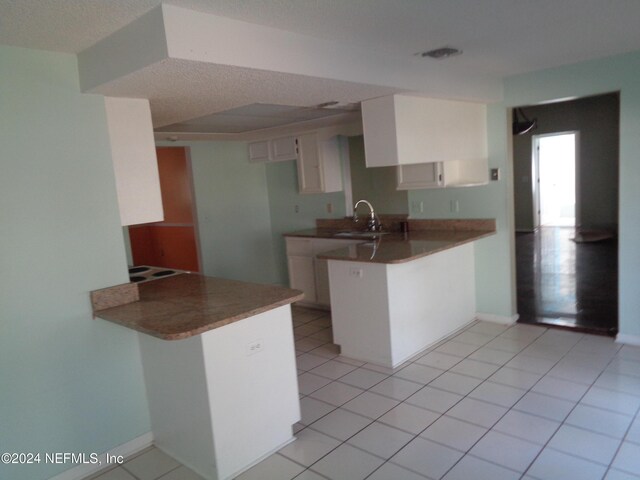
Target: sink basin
x,y
359,234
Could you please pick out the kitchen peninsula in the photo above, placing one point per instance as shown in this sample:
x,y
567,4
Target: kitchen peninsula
x,y
394,295
219,368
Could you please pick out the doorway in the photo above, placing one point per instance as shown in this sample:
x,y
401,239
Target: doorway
x,y
566,179
555,163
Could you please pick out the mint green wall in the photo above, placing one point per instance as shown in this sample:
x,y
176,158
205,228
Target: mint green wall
x,y
69,383
234,221
377,185
282,182
494,267
244,208
619,73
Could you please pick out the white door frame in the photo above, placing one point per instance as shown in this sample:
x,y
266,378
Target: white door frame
x,y
535,174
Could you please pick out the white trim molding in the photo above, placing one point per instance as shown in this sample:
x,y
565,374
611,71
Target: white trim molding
x,y
502,319
126,450
628,339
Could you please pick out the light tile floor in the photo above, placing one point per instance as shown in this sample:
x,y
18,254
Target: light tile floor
x,y
491,402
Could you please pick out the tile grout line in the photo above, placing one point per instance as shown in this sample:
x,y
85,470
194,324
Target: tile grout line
x,y
500,366
568,414
624,438
445,340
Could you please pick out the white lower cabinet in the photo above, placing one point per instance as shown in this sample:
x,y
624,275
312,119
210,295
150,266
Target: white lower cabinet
x,y
308,273
302,276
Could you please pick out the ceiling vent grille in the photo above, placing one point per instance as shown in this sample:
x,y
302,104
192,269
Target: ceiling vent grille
x,y
440,53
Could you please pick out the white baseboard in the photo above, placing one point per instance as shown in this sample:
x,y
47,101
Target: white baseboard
x,y
125,450
628,339
263,457
502,319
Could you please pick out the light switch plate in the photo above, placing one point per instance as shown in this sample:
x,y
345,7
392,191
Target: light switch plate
x,y
495,174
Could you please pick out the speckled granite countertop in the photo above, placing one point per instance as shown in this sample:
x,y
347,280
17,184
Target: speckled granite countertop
x,y
425,237
404,247
185,305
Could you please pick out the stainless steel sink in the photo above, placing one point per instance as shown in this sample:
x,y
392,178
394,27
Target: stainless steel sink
x,y
359,234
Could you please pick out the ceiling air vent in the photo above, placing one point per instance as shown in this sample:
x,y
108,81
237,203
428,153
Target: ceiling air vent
x,y
439,53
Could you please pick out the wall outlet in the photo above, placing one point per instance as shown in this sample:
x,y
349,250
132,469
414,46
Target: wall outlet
x,y
329,207
454,206
296,208
255,347
417,207
355,272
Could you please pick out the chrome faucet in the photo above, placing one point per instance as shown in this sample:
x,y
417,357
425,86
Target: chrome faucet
x,y
373,222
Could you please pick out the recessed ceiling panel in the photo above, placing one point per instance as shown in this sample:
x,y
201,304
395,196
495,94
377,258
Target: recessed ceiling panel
x,y
247,118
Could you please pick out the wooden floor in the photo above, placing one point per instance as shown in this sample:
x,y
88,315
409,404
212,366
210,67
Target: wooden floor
x,y
565,284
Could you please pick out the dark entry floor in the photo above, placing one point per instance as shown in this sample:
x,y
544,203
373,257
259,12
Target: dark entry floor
x,y
566,284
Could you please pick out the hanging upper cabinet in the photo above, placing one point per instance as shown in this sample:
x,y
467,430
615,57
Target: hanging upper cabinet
x,y
283,149
134,159
403,130
443,174
259,151
319,167
273,150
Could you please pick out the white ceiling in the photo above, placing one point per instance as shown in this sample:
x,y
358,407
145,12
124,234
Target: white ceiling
x,y
190,90
498,37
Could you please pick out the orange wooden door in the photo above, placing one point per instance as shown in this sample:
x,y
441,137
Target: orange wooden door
x,y
171,243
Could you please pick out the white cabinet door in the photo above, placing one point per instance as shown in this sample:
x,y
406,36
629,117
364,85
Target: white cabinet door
x,y
302,276
259,151
319,165
310,179
283,149
443,174
135,164
322,245
309,273
420,175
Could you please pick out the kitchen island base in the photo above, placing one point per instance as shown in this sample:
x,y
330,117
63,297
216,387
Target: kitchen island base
x,y
223,400
385,313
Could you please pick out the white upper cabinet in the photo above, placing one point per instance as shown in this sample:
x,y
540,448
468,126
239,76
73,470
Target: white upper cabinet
x,y
283,149
317,156
402,130
443,174
420,175
273,150
259,151
319,167
134,160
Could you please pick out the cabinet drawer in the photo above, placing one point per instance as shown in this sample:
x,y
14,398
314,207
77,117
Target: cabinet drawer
x,y
300,246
